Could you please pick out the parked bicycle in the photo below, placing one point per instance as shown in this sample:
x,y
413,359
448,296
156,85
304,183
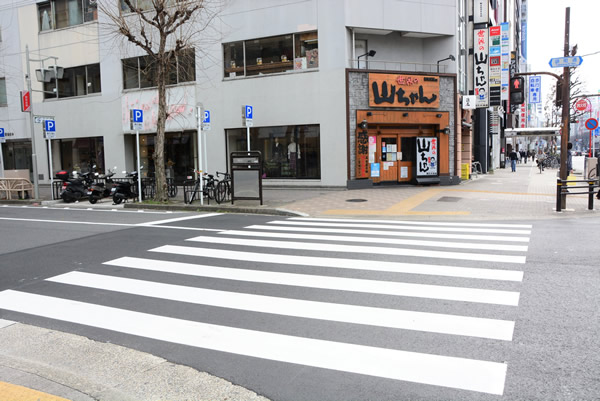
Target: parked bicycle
x,y
223,190
209,185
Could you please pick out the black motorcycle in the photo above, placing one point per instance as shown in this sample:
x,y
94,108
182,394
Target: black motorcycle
x,y
76,188
99,189
123,191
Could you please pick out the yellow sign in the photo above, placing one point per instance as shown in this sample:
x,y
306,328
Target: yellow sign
x,y
464,171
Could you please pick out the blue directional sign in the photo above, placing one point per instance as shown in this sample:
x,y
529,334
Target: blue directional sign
x,y
560,62
596,132
206,119
50,125
248,112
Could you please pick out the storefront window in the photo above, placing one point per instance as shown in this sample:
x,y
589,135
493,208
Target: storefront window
x,y
288,151
179,155
81,154
271,55
17,155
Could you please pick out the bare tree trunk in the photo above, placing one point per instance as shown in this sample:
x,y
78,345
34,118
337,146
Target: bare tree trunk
x,y
159,156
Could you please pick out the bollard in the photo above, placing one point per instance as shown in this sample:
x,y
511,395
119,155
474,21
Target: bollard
x,y
591,196
558,193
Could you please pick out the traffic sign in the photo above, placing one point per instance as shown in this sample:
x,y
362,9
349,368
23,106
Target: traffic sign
x,y
559,62
582,105
2,138
137,119
596,132
249,112
49,126
206,119
591,124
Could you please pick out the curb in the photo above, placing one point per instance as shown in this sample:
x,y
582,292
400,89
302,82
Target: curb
x,y
216,209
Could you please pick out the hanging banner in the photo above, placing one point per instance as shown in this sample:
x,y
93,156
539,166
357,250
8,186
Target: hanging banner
x,y
427,156
495,69
505,45
481,71
481,11
535,89
362,154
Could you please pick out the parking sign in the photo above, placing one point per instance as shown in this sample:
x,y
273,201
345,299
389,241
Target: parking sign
x,y
2,139
248,112
206,119
50,125
137,119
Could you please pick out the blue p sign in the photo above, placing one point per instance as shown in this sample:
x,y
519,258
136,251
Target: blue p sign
x,y
249,112
138,116
1,132
50,126
206,119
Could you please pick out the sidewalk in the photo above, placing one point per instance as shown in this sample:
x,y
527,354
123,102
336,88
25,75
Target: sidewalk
x,y
79,369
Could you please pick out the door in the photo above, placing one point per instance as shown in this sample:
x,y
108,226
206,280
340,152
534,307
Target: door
x,y
388,152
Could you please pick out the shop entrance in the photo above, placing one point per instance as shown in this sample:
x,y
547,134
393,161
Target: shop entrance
x,y
396,154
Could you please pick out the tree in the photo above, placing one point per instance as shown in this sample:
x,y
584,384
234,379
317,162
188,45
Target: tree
x,y
553,111
164,29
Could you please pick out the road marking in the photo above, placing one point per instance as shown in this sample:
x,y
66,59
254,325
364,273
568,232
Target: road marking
x,y
465,294
372,250
376,240
9,391
397,319
194,216
111,224
405,227
417,223
341,263
446,371
393,233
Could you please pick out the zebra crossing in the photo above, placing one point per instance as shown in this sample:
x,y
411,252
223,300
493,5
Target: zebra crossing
x,y
320,254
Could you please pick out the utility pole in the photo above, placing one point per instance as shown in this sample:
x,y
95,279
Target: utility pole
x,y
566,117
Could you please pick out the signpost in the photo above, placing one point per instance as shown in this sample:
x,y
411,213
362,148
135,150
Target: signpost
x,y
247,116
137,123
2,140
50,134
562,62
591,124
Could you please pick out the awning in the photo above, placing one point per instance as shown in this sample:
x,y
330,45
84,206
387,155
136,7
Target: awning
x,y
540,131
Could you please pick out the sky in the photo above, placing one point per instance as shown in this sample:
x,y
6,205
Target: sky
x,y
546,32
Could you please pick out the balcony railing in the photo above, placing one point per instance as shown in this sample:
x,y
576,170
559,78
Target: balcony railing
x,y
397,66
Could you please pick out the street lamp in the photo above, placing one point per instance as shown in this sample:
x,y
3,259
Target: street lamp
x,y
450,57
370,53
53,72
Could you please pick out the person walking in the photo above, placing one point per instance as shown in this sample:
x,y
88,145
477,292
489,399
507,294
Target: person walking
x,y
513,160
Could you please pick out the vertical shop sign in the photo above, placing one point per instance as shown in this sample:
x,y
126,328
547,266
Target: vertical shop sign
x,y
362,154
535,89
481,72
523,117
427,156
481,11
495,70
505,45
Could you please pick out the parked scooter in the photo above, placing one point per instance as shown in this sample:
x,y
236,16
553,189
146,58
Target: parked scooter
x,y
99,190
123,191
76,188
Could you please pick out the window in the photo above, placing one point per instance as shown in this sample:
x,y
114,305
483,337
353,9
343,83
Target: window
x,y
140,72
57,14
3,99
292,151
76,81
144,5
271,55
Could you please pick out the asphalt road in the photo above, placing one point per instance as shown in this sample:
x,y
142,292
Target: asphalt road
x,y
374,310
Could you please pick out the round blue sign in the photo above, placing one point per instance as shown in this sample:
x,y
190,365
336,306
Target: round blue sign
x,y
591,124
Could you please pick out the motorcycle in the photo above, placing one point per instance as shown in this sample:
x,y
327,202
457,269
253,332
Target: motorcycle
x,y
99,190
123,191
75,188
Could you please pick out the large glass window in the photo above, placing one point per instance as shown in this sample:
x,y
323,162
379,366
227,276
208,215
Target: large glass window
x,y
140,72
288,151
57,14
179,156
76,81
271,55
3,98
82,154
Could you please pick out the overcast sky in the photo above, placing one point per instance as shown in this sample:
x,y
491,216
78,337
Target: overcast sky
x,y
546,32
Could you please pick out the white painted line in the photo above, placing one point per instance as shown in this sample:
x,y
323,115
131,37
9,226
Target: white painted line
x,y
376,250
478,237
5,323
405,227
189,217
379,240
446,371
75,209
420,223
341,263
110,224
509,298
397,319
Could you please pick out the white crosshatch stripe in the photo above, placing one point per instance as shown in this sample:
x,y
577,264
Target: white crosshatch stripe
x,y
446,371
419,223
376,240
372,250
509,298
454,236
398,319
343,263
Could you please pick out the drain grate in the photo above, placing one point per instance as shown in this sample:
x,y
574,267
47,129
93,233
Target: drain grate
x,y
449,199
356,200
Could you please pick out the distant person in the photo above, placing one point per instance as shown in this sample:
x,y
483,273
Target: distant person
x,y
569,158
513,160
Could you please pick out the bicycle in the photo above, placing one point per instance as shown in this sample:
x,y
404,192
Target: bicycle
x,y
208,187
223,190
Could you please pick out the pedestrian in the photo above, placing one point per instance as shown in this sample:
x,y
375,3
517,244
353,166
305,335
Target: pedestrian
x,y
569,158
513,160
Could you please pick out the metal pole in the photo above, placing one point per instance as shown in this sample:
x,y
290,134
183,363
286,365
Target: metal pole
x,y
36,189
1,162
200,171
139,171
247,137
51,168
564,138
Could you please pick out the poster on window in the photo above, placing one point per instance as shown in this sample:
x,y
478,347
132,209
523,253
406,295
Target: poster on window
x,y
427,156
